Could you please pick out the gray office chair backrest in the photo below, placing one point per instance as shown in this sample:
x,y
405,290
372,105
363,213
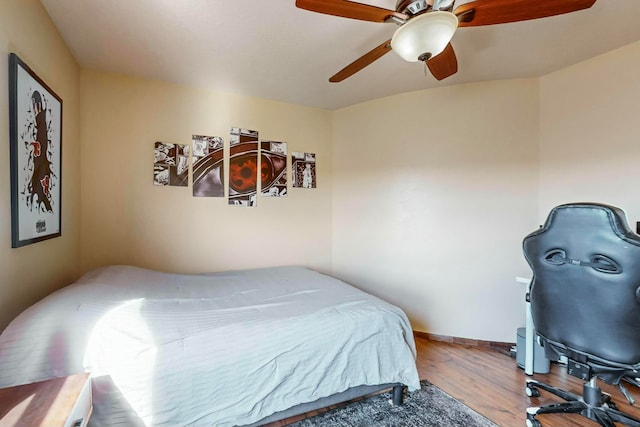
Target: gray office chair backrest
x,y
585,294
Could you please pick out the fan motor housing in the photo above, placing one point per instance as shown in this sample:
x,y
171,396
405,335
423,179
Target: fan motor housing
x,y
413,7
416,7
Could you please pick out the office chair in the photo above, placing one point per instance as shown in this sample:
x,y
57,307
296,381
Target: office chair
x,y
585,303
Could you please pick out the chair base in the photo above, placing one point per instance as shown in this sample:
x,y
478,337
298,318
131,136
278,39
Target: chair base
x,y
593,404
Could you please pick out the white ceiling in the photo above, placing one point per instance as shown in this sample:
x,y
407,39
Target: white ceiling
x,y
271,49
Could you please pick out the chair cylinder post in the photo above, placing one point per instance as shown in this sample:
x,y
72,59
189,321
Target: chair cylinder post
x,y
591,393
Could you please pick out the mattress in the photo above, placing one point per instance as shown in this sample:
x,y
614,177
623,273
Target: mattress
x,y
218,349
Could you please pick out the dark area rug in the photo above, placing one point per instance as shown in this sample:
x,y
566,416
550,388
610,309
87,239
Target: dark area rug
x,y
427,407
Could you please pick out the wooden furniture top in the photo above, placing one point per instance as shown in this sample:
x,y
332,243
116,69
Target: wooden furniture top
x,y
46,403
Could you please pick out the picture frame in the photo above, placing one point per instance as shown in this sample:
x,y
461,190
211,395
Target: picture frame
x,y
35,138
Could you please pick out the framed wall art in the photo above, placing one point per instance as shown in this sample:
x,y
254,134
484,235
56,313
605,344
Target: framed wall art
x,y
208,166
273,168
303,169
170,164
243,167
35,132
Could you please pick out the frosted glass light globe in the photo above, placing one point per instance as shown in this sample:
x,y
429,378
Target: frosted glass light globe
x,y
424,36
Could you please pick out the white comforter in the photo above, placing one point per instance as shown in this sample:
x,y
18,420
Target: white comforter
x,y
222,349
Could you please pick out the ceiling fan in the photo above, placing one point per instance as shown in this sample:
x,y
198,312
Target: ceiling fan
x,y
426,27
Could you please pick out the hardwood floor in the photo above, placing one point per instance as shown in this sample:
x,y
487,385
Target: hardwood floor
x,y
490,382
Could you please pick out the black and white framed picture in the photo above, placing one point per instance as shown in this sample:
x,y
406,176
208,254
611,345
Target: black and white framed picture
x,y
170,164
303,170
35,132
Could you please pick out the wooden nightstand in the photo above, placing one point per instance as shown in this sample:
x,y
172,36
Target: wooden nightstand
x,y
58,402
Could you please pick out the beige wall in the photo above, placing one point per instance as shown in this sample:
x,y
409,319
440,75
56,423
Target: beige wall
x,y
31,272
590,133
433,193
128,220
423,198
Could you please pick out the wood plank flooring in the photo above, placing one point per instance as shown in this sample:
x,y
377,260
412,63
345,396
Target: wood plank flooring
x,y
489,381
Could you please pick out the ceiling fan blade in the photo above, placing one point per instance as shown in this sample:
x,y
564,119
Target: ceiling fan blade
x,y
349,9
361,62
489,12
444,64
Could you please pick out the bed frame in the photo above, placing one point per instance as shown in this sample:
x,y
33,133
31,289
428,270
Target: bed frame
x,y
345,396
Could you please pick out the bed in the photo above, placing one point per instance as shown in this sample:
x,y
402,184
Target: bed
x,y
222,349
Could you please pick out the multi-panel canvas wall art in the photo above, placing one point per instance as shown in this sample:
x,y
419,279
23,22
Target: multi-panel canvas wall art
x,y
243,167
273,168
247,156
303,169
171,164
208,166
35,122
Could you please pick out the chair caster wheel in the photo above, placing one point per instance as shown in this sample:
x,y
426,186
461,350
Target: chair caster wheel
x,y
532,392
612,406
532,422
606,401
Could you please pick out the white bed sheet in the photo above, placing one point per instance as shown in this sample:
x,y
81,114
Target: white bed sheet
x,y
221,349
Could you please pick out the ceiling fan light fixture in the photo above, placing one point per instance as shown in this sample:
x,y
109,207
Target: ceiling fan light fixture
x,y
424,36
